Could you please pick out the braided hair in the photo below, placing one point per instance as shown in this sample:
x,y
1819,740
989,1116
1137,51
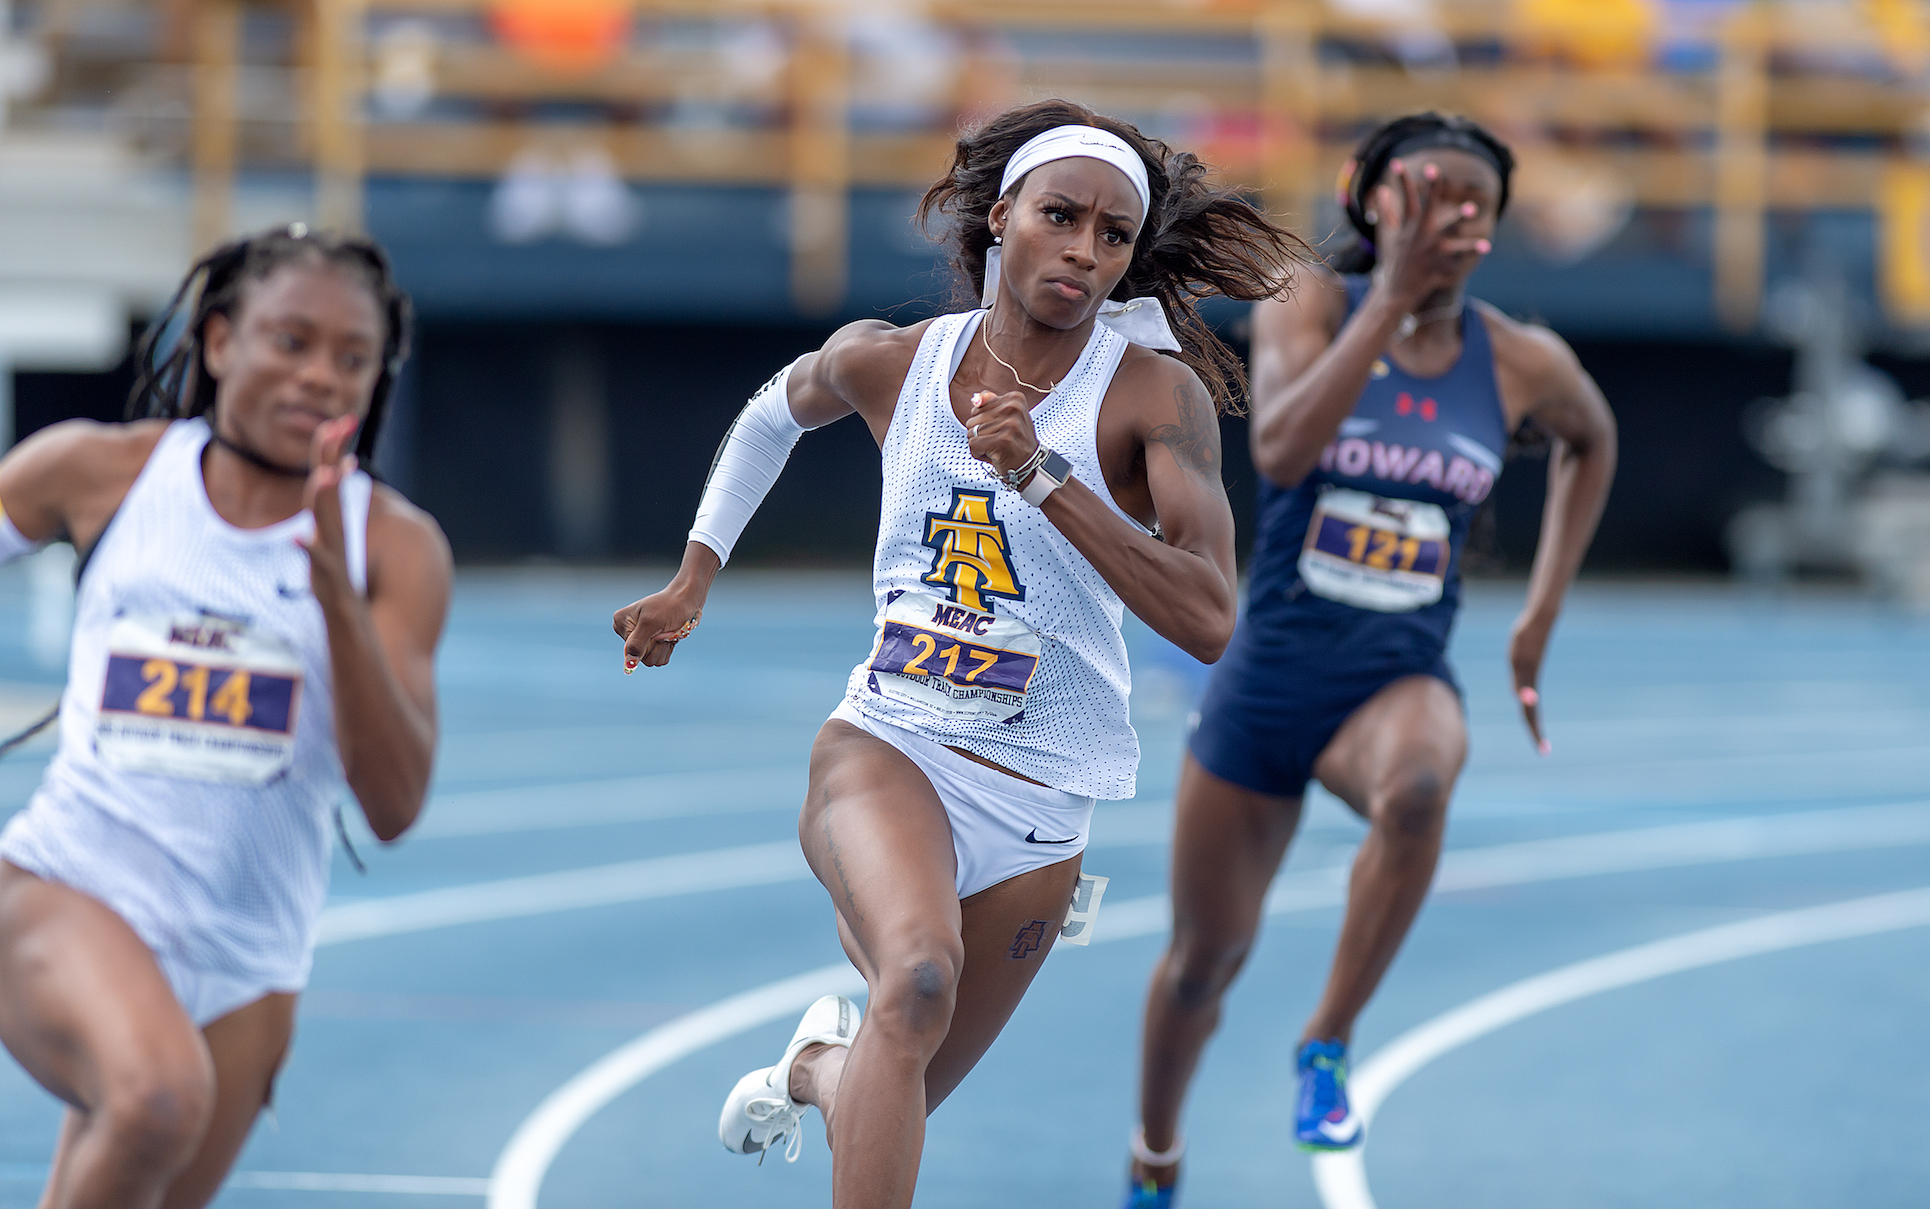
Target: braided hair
x,y
171,378
1198,239
1400,137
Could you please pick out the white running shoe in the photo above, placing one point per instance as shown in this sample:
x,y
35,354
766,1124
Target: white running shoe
x,y
760,1112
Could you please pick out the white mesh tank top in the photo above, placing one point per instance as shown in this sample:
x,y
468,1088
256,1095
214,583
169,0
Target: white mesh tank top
x,y
995,635
197,766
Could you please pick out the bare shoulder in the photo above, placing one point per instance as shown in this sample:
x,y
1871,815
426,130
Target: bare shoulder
x,y
1154,376
869,359
1527,349
69,478
404,538
89,452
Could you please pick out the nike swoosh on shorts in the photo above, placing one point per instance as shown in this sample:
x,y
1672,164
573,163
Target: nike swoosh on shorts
x,y
1032,837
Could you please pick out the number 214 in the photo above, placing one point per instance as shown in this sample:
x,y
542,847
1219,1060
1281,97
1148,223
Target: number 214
x,y
164,675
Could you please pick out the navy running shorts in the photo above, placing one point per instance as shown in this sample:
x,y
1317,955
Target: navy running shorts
x,y
1281,692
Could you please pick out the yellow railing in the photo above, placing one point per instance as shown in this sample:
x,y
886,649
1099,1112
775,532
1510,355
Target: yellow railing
x,y
1741,138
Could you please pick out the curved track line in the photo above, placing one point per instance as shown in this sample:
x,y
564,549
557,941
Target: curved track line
x,y
1341,1179
1470,869
520,1169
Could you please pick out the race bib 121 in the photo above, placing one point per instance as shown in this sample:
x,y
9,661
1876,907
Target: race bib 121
x,y
1390,556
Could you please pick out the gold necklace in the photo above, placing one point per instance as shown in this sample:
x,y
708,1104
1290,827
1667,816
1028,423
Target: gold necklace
x,y
984,329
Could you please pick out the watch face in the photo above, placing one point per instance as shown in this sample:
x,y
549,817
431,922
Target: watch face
x,y
1056,467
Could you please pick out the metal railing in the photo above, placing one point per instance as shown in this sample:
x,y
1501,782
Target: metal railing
x,y
1273,91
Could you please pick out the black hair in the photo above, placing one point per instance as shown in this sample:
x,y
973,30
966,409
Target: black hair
x,y
1383,146
171,379
1198,239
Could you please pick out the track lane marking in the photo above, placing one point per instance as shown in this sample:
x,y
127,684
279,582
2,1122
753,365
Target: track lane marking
x,y
1521,863
543,893
1341,1178
309,1181
519,1171
525,1160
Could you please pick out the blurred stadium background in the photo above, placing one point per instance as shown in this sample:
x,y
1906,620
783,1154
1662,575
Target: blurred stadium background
x,y
618,216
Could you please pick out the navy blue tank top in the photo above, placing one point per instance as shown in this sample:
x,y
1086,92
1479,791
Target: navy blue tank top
x,y
1435,441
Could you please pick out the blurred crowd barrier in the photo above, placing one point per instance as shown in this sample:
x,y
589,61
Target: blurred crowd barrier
x,y
617,216
1740,107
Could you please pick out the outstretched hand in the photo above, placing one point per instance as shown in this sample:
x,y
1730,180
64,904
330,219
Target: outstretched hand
x,y
1526,646
328,468
1418,252
1000,430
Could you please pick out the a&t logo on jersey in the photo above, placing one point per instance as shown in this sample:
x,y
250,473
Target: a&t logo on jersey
x,y
970,552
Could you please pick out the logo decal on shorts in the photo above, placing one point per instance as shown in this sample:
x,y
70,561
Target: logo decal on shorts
x,y
1032,837
1030,937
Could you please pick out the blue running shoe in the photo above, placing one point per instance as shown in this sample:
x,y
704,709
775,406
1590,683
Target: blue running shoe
x,y
1144,1194
1323,1120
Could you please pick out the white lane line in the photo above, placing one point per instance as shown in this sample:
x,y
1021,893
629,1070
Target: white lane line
x,y
511,898
309,1181
1845,830
1856,828
1341,1179
520,1169
550,807
328,1181
533,1149
694,793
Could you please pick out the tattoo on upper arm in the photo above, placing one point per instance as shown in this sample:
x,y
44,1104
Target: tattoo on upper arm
x,y
1195,440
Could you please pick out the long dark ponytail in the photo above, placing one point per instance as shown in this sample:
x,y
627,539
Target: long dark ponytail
x,y
1199,239
1377,150
171,379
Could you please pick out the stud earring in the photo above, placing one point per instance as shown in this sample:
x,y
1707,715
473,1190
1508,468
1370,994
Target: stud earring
x,y
998,239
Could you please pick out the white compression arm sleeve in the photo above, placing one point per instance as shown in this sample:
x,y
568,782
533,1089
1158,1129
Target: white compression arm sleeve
x,y
748,462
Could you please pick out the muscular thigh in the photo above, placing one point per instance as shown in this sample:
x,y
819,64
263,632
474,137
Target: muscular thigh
x,y
1410,732
875,833
248,1046
82,1000
1008,930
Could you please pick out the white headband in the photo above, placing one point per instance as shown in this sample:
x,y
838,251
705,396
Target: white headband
x,y
1088,142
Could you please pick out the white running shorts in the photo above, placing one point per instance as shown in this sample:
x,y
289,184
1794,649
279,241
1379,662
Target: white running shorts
x,y
1001,826
207,995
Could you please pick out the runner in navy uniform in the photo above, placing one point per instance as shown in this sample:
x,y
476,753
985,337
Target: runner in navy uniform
x,y
1383,401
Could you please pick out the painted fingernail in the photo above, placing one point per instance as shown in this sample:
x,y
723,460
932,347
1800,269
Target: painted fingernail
x,y
1547,748
1483,246
1467,209
629,665
1529,696
1431,171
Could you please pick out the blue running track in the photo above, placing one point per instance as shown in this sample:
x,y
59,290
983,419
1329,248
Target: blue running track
x,y
606,855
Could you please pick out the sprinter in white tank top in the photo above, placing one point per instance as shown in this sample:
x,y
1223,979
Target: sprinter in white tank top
x,y
255,635
949,794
